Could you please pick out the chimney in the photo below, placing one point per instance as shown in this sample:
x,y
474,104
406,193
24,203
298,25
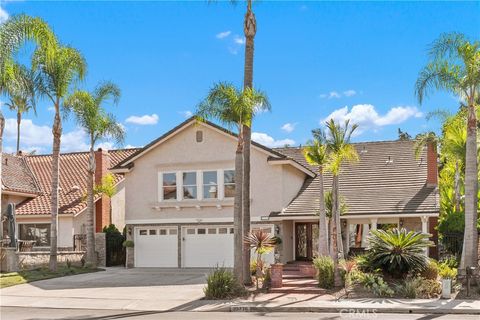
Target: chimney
x,y
102,205
432,165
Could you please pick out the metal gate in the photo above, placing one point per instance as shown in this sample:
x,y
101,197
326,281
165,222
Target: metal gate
x,y
115,250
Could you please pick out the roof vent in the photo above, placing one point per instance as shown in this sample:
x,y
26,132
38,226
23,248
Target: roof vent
x,y
389,160
75,189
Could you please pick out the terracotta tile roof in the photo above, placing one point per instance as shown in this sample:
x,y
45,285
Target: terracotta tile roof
x,y
73,181
17,177
372,186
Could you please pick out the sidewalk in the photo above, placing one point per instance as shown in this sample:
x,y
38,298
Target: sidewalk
x,y
314,303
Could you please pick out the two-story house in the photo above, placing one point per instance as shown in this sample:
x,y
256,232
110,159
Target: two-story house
x,y
179,193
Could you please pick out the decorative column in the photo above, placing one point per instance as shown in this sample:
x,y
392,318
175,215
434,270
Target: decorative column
x,y
373,222
425,229
276,273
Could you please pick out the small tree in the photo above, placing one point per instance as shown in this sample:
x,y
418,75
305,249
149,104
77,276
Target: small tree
x,y
261,242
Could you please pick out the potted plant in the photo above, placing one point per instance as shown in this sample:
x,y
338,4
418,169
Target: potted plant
x,y
128,245
447,274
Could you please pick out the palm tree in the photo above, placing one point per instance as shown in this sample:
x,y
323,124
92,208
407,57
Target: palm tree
x,y
455,68
234,107
98,124
59,68
249,29
21,87
315,152
14,33
341,151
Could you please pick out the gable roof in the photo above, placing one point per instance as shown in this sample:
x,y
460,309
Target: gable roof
x,y
17,176
372,186
273,154
73,174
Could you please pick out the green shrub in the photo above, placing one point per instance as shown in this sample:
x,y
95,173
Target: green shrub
x,y
128,244
324,266
398,251
418,287
431,271
446,272
408,288
222,284
376,284
450,261
363,263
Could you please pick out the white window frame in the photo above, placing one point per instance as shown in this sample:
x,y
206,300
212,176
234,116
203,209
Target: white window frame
x,y
161,187
203,185
223,182
189,185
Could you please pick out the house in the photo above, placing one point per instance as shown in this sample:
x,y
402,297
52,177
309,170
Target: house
x,y
26,182
179,196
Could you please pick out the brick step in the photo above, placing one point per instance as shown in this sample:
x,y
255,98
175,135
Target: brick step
x,y
302,290
290,269
299,282
295,276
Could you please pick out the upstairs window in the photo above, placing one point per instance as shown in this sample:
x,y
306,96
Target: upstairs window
x,y
169,186
190,185
229,183
210,185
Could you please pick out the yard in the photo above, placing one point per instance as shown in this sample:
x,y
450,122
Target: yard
x,y
14,278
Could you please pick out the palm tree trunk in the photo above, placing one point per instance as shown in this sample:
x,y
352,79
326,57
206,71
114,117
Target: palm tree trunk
x,y
19,120
322,222
57,134
335,239
470,239
457,187
249,29
2,127
91,256
237,212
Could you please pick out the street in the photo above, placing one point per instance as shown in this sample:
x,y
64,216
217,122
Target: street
x,y
18,313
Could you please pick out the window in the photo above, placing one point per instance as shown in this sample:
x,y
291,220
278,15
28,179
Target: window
x,y
169,186
152,232
199,136
163,232
38,232
212,231
222,230
210,187
173,232
143,232
201,231
189,185
229,182
190,231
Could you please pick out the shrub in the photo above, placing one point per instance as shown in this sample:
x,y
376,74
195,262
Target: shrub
x,y
128,244
451,261
324,266
408,288
398,251
431,271
419,287
376,285
222,284
446,272
363,263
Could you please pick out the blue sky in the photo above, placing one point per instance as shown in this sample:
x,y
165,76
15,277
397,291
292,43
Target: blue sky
x,y
315,60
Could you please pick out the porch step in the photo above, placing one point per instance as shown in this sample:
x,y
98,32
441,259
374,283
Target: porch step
x,y
299,282
302,290
295,276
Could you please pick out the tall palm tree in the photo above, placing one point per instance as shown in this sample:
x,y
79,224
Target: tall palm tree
x,y
235,107
455,68
341,152
14,33
315,152
60,68
99,125
249,29
21,87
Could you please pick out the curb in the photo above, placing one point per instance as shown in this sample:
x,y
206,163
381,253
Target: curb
x,y
246,308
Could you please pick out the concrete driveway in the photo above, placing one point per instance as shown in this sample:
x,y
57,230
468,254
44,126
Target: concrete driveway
x,y
115,289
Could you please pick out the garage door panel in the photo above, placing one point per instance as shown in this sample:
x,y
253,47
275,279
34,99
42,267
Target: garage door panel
x,y
156,247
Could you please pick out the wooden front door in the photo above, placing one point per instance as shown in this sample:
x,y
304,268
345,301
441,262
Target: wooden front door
x,y
306,240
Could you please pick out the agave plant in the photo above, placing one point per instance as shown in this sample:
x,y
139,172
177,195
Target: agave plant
x,y
398,251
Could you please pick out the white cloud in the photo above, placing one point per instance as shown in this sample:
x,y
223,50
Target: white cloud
x,y
349,93
3,14
143,120
336,94
268,141
367,117
239,40
288,127
223,34
186,113
52,109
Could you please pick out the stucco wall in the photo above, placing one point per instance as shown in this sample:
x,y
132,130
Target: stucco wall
x,y
118,207
8,198
270,184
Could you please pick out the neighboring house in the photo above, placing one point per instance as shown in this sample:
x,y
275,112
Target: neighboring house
x,y
179,193
26,182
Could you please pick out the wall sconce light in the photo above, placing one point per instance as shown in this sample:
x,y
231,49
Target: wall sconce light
x,y
400,223
129,231
344,223
277,229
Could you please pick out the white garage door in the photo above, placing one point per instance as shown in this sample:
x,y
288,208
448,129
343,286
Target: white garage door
x,y
156,247
207,246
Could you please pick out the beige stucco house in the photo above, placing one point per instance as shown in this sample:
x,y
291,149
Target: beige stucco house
x,y
179,196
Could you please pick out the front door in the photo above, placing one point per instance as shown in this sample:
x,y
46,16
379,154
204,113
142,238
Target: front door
x,y
306,240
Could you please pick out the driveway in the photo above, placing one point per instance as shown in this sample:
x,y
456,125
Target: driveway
x,y
115,289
